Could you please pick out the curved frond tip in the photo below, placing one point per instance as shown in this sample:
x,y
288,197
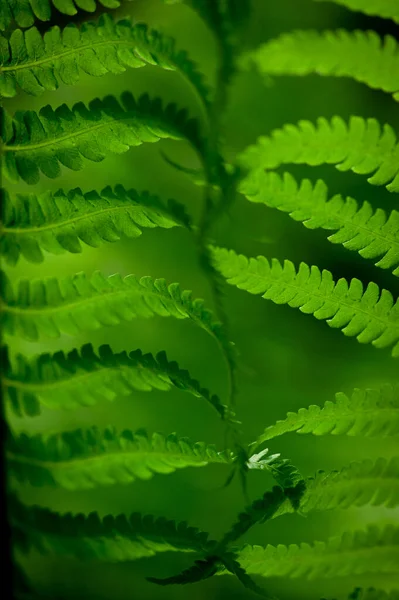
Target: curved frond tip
x,y
87,459
39,143
84,378
387,9
368,413
37,63
58,222
361,145
111,539
360,55
370,232
26,11
370,315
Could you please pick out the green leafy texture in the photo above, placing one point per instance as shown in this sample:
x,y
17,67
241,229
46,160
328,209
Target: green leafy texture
x,y
361,145
373,594
360,55
85,459
369,315
387,9
58,222
112,539
369,232
368,413
52,307
26,11
37,63
374,550
83,378
35,143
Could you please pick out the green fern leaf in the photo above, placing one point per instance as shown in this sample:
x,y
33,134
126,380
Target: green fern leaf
x,y
360,55
86,459
365,413
387,9
26,11
360,145
58,222
112,539
371,551
83,378
370,232
37,63
370,315
35,143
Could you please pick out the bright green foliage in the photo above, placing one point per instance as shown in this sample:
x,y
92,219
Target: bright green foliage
x,y
58,222
368,413
84,378
388,9
110,539
37,63
35,143
370,315
87,459
361,55
372,551
361,145
26,11
370,232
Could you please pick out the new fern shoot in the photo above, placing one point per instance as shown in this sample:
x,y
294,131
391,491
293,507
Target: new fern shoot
x,y
190,159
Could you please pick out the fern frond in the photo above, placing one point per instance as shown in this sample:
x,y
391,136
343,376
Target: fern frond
x,y
58,222
84,378
369,232
111,539
360,55
84,459
371,315
387,9
26,11
365,413
37,63
35,143
361,145
371,551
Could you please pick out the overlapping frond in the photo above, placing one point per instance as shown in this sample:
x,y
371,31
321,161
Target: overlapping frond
x,y
58,222
370,315
374,550
367,413
360,55
361,145
110,539
84,378
26,11
370,232
37,63
39,143
85,459
387,9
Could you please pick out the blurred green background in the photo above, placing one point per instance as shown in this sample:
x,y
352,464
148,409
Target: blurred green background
x,y
288,360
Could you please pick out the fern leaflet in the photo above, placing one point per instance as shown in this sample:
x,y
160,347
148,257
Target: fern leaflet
x,y
58,222
35,143
111,539
26,11
365,413
359,145
86,459
361,55
387,9
370,232
370,315
37,63
83,378
372,551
